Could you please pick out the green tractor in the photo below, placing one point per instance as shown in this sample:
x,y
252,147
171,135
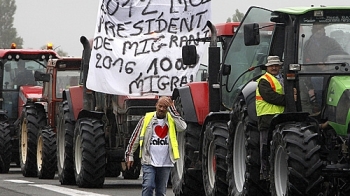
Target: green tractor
x,y
304,157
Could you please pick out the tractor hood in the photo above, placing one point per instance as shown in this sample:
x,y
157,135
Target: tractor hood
x,y
26,92
338,103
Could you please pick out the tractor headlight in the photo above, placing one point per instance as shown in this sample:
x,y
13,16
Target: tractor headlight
x,y
294,67
133,118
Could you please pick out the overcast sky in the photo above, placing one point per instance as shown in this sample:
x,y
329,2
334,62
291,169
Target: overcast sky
x,y
62,22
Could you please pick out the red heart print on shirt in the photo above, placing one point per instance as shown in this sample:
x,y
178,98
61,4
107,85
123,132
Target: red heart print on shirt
x,y
161,131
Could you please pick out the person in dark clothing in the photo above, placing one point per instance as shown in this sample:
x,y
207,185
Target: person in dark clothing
x,y
320,46
24,76
316,50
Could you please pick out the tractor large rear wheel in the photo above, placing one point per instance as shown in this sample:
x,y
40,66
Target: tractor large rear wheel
x,y
186,176
89,153
65,134
214,159
244,155
184,180
5,147
295,165
46,154
32,119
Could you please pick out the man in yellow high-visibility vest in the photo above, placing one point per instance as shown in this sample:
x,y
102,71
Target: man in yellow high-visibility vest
x,y
155,134
270,100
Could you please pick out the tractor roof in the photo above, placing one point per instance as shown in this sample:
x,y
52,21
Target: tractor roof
x,y
5,52
303,10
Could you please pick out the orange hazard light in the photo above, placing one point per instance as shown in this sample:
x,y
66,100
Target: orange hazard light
x,y
13,46
49,46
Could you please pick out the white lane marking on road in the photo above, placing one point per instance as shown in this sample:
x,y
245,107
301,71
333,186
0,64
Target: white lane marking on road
x,y
19,181
67,191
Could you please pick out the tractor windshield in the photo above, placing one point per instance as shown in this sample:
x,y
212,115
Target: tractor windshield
x,y
241,57
324,48
66,79
18,73
321,41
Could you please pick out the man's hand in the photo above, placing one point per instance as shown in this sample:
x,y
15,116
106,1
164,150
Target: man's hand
x,y
323,125
129,164
168,102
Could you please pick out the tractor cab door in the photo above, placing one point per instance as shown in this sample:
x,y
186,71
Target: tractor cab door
x,y
9,91
240,57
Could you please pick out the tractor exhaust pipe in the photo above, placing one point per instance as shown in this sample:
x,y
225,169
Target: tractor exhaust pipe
x,y
213,70
214,34
88,98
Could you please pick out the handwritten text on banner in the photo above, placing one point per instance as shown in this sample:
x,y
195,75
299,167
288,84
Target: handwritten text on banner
x,y
137,45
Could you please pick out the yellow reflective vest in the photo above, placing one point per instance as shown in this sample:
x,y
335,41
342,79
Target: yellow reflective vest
x,y
263,107
172,133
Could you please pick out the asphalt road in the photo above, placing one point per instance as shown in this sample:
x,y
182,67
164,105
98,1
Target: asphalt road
x,y
14,184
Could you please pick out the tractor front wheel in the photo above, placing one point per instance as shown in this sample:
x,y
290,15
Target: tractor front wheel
x,y
214,159
244,155
32,119
295,164
65,134
186,176
89,153
5,147
46,154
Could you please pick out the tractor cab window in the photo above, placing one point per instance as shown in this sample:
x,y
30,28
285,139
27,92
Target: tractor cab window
x,y
19,73
320,40
66,79
320,45
13,78
241,57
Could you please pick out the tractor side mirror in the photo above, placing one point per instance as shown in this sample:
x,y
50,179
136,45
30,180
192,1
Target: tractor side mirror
x,y
189,55
40,76
204,75
226,69
251,34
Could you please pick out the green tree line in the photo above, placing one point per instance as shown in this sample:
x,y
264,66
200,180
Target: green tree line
x,y
8,33
236,17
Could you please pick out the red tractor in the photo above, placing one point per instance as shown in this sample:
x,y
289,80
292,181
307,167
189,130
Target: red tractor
x,y
94,130
201,161
19,86
60,74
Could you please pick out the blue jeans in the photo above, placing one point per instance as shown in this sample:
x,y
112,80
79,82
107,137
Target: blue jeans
x,y
155,178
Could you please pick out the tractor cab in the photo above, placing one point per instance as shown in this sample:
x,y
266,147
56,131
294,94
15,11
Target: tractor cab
x,y
18,86
17,70
316,60
314,45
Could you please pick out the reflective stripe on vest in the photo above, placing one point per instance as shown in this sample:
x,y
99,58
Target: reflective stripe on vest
x,y
263,107
172,133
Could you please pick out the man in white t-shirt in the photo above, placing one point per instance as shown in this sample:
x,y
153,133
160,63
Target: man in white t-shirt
x,y
155,133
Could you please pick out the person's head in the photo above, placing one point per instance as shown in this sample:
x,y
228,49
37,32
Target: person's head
x,y
73,81
273,65
318,30
21,65
162,106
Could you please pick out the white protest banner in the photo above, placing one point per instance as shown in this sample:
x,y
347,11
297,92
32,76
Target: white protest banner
x,y
137,45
